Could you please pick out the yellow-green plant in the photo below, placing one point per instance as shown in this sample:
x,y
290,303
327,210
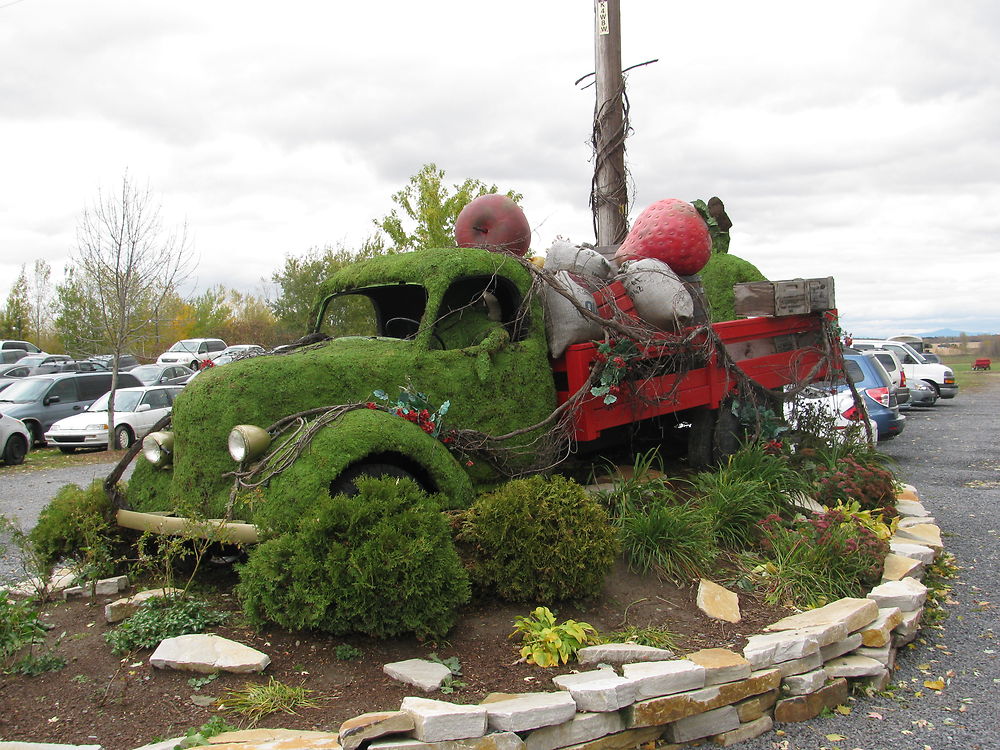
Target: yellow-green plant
x,y
873,520
548,644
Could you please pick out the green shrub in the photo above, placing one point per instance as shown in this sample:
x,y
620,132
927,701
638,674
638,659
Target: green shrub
x,y
162,618
852,478
676,541
381,563
810,562
19,626
539,540
77,523
735,503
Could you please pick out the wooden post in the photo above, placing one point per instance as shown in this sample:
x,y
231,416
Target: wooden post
x,y
609,193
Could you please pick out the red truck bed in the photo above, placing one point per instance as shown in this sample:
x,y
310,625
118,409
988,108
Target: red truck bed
x,y
773,351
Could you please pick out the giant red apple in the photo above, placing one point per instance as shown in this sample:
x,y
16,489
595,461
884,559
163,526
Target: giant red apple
x,y
493,222
670,230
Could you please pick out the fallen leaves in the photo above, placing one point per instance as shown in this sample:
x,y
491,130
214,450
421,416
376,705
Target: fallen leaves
x,y
937,684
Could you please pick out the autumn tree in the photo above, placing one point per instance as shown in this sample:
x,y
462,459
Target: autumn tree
x,y
427,209
16,317
129,263
40,300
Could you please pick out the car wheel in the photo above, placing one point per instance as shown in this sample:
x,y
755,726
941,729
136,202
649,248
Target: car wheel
x,y
701,437
37,435
67,450
123,437
345,483
15,450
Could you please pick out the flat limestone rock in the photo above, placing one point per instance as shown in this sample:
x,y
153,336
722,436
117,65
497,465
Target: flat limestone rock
x,y
926,534
912,549
841,647
603,691
905,523
718,602
879,632
274,739
908,492
799,666
898,567
805,707
360,729
627,740
207,653
437,721
721,665
908,594
13,745
911,508
655,678
530,711
659,711
716,721
853,613
754,707
853,665
421,673
581,728
801,684
119,609
494,741
621,653
745,731
769,648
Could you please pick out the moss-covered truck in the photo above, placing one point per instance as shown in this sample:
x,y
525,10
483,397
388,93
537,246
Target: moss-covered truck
x,y
459,334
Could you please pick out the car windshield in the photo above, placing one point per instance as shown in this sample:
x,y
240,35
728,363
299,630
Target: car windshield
x,y
124,401
146,373
32,361
25,391
917,357
185,346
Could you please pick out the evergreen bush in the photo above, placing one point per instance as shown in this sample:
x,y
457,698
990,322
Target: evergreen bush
x,y
76,523
381,563
539,540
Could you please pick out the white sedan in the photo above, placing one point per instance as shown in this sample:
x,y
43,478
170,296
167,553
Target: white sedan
x,y
136,411
14,440
822,406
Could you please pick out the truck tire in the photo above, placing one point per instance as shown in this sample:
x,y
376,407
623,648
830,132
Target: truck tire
x,y
701,437
345,483
729,432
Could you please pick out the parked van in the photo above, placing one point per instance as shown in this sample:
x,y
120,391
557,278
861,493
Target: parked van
x,y
191,352
939,377
27,346
890,361
10,356
41,400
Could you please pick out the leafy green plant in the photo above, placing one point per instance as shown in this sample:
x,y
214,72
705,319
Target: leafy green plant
x,y
549,644
617,356
32,665
735,502
810,562
19,626
256,701
158,619
380,563
853,478
451,682
412,406
539,539
347,652
674,540
77,524
638,488
199,682
198,736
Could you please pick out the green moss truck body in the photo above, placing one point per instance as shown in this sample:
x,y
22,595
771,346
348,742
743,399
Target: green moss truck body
x,y
460,326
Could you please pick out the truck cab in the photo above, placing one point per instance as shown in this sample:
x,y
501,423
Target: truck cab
x,y
940,377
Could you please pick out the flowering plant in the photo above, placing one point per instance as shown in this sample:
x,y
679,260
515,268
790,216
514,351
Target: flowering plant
x,y
413,407
616,356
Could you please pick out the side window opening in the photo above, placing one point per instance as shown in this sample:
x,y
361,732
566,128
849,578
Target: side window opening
x,y
392,311
475,306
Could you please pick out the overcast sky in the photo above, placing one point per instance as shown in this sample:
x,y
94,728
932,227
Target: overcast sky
x,y
859,140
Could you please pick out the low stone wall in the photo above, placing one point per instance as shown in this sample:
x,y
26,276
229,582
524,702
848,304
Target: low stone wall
x,y
798,667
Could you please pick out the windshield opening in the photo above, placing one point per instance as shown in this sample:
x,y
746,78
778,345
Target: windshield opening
x,y
185,346
25,391
393,311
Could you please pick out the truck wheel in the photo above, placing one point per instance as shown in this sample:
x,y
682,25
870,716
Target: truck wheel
x,y
934,385
729,432
701,437
15,450
345,483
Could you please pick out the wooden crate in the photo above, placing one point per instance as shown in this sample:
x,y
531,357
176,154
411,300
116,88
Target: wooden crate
x,y
779,298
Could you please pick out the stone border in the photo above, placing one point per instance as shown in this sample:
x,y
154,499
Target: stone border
x,y
798,667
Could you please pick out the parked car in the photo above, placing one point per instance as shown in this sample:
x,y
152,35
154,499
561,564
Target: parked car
x,y
136,411
14,440
160,374
10,356
125,362
931,357
894,367
831,402
12,373
939,377
23,345
69,365
191,352
922,394
37,360
238,351
42,400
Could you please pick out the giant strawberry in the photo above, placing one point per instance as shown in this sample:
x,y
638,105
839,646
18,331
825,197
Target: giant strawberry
x,y
672,231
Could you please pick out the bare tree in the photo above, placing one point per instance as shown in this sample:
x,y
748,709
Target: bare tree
x,y
130,263
41,300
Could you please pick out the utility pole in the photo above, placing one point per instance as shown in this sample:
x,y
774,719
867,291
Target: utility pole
x,y
609,191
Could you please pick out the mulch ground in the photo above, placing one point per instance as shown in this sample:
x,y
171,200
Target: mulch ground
x,y
122,703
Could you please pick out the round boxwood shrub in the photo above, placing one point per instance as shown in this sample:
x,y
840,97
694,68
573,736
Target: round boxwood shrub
x,y
539,540
75,520
381,563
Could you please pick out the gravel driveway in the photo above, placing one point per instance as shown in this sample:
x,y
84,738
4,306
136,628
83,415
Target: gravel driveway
x,y
950,454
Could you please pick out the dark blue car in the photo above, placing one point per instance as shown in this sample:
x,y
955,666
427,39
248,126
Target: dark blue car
x,y
873,383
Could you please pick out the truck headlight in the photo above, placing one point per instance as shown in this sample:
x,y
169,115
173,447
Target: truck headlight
x,y
158,448
247,442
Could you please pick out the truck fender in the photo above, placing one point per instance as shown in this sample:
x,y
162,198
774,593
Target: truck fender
x,y
364,435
